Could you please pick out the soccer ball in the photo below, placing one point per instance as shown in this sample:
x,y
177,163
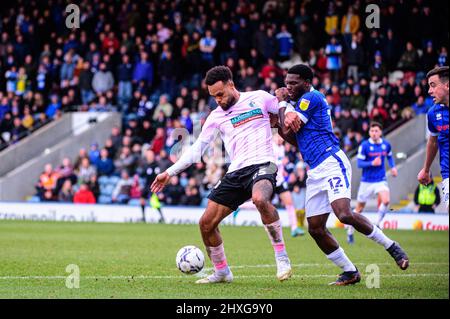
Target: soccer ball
x,y
190,260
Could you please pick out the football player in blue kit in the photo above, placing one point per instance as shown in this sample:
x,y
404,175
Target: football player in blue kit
x,y
372,154
438,128
308,126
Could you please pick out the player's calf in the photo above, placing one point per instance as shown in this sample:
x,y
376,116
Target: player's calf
x,y
275,233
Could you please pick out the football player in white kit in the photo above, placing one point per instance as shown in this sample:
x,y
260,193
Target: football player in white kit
x,y
243,121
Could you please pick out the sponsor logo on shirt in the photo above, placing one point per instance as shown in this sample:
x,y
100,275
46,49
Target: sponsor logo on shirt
x,y
304,104
377,154
246,117
438,116
442,127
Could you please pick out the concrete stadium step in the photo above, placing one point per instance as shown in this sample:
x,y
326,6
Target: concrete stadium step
x,y
12,187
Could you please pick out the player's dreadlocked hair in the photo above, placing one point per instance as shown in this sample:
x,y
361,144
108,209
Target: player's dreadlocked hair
x,y
304,71
441,71
218,73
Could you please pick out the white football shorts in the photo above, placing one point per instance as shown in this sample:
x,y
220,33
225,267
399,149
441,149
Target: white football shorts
x,y
327,182
368,190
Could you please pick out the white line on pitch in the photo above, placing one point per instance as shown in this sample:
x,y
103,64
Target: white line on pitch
x,y
186,276
321,265
243,276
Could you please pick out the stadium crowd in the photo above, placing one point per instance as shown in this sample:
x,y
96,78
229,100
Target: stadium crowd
x,y
147,61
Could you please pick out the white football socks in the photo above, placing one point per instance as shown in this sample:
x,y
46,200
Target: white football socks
x,y
340,259
379,237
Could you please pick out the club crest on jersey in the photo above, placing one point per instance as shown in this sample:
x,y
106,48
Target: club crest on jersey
x,y
252,104
304,104
438,116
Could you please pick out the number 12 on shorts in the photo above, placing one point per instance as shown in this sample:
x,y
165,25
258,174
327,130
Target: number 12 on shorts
x,y
335,182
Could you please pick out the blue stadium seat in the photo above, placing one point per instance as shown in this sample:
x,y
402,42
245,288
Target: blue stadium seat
x,y
114,180
108,190
102,199
103,180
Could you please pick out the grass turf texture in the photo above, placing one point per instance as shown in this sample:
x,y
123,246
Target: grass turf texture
x,y
138,261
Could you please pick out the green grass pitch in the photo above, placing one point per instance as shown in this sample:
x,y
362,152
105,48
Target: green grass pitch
x,y
138,261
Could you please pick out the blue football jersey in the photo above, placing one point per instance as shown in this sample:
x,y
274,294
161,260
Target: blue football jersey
x,y
315,139
438,126
367,152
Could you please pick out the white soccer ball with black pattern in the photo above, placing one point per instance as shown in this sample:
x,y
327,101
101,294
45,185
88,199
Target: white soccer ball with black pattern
x,y
190,260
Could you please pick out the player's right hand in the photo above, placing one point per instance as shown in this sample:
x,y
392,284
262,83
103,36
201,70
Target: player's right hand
x,y
376,161
160,181
424,177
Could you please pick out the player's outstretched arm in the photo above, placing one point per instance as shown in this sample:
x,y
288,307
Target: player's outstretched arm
x,y
432,148
190,156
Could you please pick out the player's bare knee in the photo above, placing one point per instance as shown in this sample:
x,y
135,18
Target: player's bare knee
x,y
262,194
206,225
260,201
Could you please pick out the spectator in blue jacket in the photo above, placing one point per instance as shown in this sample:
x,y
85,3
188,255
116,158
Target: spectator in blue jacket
x,y
285,44
4,108
143,71
333,51
94,153
105,165
54,106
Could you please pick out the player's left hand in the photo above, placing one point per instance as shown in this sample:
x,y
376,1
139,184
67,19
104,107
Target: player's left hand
x,y
274,120
292,120
394,172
